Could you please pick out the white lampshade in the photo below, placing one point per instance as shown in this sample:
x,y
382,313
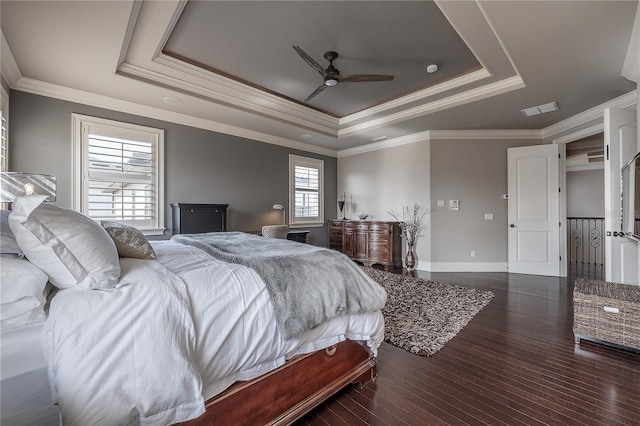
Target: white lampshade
x,y
16,184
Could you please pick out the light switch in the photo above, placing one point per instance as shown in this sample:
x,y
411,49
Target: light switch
x,y
488,216
454,205
440,203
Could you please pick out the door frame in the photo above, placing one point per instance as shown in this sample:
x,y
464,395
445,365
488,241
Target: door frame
x,y
563,140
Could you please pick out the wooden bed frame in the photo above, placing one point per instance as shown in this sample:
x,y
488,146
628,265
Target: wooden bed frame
x,y
284,395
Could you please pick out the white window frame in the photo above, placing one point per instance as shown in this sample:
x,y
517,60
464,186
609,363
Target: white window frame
x,y
4,138
296,160
80,125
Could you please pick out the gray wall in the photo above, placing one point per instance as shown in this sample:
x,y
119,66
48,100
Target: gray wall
x,y
475,173
200,166
585,193
388,179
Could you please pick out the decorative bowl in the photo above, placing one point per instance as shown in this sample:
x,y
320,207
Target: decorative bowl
x,y
363,216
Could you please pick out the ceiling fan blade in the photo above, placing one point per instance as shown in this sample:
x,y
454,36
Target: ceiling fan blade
x,y
309,60
315,92
357,78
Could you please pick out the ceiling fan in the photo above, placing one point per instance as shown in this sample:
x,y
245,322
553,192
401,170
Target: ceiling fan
x,y
332,75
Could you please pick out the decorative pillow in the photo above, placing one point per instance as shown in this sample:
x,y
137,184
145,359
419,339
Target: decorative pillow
x,y
8,244
71,248
129,241
22,297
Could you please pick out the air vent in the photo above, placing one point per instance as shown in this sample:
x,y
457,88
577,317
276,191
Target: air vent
x,y
540,109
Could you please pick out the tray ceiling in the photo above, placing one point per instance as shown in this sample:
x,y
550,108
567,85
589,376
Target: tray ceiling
x,y
157,58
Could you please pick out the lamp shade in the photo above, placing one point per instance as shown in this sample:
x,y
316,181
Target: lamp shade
x,y
17,184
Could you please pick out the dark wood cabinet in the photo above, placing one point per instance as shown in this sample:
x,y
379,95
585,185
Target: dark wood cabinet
x,y
298,235
198,218
368,242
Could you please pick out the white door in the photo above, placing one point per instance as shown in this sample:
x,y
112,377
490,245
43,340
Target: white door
x,y
620,252
535,227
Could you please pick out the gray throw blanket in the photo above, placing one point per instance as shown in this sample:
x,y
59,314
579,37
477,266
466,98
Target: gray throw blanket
x,y
307,285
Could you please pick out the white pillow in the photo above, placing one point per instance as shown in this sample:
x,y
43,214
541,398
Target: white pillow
x,y
72,249
8,244
21,292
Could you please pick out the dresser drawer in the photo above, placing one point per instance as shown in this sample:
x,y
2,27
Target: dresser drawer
x,y
382,236
335,224
356,226
381,227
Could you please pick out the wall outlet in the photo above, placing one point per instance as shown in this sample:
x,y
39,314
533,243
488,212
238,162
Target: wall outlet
x,y
454,205
473,253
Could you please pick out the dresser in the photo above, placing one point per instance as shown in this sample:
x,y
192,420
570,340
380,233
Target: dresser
x,y
198,218
368,242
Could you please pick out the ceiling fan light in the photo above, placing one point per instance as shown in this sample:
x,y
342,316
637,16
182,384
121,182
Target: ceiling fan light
x,y
330,82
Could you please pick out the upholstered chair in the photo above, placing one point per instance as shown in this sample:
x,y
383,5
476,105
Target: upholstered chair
x,y
275,231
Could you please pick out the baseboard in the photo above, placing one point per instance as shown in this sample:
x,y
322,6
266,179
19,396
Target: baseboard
x,y
462,266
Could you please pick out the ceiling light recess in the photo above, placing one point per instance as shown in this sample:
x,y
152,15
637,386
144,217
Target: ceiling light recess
x,y
432,68
540,109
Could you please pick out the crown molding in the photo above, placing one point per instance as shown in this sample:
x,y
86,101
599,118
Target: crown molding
x,y
230,92
9,68
580,134
78,96
507,134
389,143
131,25
472,95
595,113
429,135
417,96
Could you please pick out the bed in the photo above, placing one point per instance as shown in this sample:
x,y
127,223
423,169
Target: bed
x,y
187,336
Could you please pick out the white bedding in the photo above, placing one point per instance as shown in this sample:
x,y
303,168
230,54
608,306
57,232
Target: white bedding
x,y
24,385
113,349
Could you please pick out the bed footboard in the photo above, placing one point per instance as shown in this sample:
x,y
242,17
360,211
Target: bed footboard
x,y
287,393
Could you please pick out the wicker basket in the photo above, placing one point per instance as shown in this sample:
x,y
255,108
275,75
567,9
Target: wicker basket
x,y
607,312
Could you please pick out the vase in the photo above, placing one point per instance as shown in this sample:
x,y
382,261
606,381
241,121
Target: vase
x,y
410,261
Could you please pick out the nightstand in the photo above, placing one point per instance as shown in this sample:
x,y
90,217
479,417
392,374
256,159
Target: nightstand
x,y
298,235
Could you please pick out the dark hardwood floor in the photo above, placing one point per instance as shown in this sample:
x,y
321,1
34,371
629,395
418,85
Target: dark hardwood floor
x,y
514,363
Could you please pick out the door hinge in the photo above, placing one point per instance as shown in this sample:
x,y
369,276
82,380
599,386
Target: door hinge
x,y
560,257
559,156
559,190
560,224
607,152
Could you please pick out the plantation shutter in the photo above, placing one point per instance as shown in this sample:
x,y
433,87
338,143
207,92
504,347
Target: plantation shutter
x,y
307,192
306,183
4,134
120,176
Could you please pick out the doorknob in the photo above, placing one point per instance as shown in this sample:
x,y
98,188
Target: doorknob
x,y
512,226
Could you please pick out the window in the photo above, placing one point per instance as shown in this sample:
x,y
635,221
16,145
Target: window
x,y
306,196
119,172
4,131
